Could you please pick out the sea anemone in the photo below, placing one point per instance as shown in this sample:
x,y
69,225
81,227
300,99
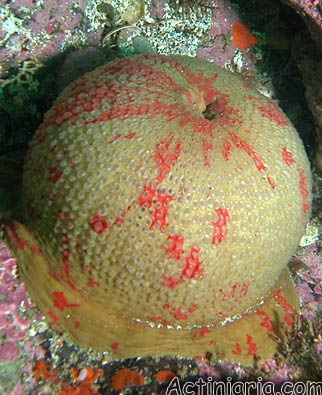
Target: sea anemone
x,y
162,199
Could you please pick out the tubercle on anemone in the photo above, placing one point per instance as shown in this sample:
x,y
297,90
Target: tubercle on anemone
x,y
191,167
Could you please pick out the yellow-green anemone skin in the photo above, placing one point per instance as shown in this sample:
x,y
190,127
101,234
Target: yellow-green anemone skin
x,y
163,198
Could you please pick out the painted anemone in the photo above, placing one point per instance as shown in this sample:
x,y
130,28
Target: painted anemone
x,y
162,199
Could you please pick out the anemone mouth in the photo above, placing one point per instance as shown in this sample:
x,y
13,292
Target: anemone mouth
x,y
212,110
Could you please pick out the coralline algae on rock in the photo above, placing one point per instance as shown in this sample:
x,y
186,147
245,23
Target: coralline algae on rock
x,y
162,199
